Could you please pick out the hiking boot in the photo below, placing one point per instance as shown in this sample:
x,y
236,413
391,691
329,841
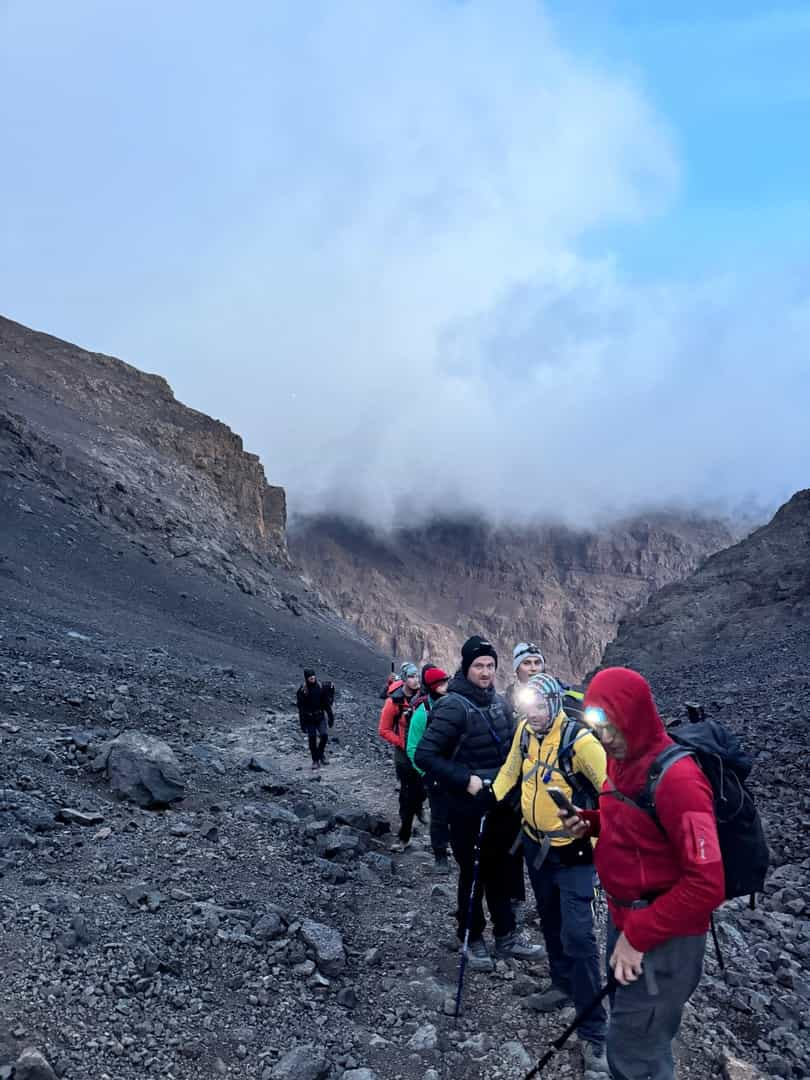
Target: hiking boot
x,y
510,947
478,956
316,765
442,864
594,1060
549,1001
400,845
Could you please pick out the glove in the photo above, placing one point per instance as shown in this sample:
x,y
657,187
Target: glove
x,y
331,721
485,799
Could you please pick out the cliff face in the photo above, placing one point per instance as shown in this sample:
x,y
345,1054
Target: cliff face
x,y
419,592
104,435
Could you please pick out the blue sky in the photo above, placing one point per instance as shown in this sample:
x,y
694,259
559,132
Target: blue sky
x,y
732,80
427,254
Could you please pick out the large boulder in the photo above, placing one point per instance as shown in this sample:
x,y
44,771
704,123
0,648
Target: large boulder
x,y
305,1062
141,769
327,944
32,1065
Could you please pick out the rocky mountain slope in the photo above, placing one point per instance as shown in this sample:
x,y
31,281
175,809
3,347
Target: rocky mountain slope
x,y
101,435
735,635
419,592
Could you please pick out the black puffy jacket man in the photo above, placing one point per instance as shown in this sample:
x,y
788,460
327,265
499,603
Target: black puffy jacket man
x,y
315,714
468,739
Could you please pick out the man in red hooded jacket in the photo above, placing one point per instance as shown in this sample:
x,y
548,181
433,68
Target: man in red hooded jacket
x,y
662,881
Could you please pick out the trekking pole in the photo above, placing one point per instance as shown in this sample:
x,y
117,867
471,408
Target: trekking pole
x,y
559,1043
476,867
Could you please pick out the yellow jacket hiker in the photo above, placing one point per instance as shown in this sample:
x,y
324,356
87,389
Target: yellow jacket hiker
x,y
551,750
539,767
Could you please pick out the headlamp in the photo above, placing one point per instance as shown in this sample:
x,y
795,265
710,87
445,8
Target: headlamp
x,y
594,716
527,697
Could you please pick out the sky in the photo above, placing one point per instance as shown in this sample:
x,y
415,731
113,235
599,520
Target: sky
x,y
524,259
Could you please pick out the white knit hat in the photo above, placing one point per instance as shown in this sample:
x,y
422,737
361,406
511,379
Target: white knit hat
x,y
523,650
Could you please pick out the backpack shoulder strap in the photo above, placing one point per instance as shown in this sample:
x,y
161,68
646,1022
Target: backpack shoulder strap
x,y
524,739
660,766
572,731
470,708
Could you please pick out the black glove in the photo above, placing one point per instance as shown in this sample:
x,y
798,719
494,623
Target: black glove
x,y
485,799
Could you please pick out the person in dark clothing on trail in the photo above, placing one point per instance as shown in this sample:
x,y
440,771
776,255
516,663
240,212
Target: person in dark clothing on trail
x,y
394,721
315,714
467,740
435,682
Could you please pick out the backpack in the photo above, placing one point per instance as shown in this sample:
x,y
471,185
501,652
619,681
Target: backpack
x,y
405,712
328,693
574,703
572,731
726,766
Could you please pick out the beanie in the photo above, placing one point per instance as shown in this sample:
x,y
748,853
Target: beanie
x,y
473,648
546,686
407,670
308,672
432,676
523,650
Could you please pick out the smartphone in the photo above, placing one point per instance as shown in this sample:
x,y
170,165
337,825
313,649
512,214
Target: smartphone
x,y
562,800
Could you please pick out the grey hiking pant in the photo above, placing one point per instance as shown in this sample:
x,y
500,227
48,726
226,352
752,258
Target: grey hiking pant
x,y
644,1023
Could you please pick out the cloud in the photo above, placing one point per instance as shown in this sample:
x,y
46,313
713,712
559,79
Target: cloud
x,y
363,245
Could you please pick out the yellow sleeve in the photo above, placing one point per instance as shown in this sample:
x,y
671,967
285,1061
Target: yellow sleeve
x,y
511,770
590,760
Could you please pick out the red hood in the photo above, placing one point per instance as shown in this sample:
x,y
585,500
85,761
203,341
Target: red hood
x,y
627,699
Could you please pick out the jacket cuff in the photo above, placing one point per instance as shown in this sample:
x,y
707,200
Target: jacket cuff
x,y
593,820
638,932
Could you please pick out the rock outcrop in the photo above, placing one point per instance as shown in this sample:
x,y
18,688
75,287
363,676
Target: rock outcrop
x,y
113,440
419,592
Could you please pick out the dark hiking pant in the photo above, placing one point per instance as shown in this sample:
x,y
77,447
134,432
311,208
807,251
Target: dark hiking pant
x,y
564,895
644,1022
318,737
496,874
411,793
439,823
518,889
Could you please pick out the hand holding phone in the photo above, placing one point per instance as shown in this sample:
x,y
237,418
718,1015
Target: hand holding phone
x,y
562,801
569,815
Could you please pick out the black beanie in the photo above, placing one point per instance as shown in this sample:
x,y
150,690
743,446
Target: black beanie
x,y
473,648
308,672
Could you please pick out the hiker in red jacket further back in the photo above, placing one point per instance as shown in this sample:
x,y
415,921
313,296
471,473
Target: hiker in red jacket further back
x,y
394,720
663,879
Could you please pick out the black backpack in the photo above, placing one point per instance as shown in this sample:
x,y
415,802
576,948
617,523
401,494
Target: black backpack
x,y
574,703
328,693
720,755
572,731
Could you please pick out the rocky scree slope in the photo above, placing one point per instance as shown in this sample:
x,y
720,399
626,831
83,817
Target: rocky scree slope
x,y
109,439
735,635
258,927
419,592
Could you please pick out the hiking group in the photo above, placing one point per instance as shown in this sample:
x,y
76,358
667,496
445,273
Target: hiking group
x,y
590,790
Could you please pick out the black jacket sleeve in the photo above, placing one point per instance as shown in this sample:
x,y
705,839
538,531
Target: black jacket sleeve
x,y
448,723
299,698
